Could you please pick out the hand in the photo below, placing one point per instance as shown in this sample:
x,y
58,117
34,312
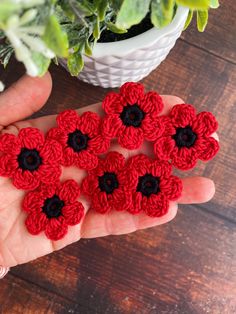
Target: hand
x,y
18,246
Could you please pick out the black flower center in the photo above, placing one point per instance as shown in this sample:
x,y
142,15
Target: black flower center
x,y
132,115
78,141
29,159
185,137
108,182
53,207
148,184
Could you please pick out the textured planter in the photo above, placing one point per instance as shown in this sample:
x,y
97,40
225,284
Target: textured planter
x,y
115,63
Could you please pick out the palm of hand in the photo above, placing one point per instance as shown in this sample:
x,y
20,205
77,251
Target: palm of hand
x,y
16,244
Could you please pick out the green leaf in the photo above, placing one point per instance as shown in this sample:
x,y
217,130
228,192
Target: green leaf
x,y
101,6
189,19
195,5
162,12
6,9
202,19
112,27
88,48
41,62
132,12
214,4
55,38
96,30
75,63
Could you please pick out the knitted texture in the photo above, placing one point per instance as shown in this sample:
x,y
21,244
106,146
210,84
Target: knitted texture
x,y
52,208
80,138
29,158
187,137
132,116
106,185
152,185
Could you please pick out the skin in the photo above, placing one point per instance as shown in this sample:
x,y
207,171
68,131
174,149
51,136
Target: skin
x,y
17,246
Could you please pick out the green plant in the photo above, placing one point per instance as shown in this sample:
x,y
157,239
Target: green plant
x,y
39,31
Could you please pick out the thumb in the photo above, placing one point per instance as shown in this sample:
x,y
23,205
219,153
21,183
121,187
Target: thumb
x,y
23,98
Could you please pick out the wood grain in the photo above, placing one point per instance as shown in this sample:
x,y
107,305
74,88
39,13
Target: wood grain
x,y
185,267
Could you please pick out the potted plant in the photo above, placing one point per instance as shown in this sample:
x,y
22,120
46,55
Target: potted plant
x,y
103,42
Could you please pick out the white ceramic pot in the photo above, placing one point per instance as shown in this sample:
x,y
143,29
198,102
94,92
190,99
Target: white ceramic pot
x,y
115,63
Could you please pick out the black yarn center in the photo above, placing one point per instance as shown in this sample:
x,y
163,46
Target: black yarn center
x,y
108,182
78,141
185,137
132,115
53,207
148,184
29,159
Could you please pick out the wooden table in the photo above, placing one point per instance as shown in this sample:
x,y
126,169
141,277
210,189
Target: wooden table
x,y
185,266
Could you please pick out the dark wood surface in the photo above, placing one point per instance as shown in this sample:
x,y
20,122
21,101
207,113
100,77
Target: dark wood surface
x,y
186,266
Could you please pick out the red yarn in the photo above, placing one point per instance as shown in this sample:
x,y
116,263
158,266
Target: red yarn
x,y
187,137
132,116
106,185
152,185
52,208
29,158
80,138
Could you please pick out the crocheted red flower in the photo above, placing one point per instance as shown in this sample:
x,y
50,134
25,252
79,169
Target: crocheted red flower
x,y
80,138
29,158
132,116
152,185
187,137
52,208
106,185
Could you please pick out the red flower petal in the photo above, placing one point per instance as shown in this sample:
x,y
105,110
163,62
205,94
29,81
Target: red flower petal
x,y
58,135
113,162
69,157
185,158
160,168
121,200
152,128
128,178
152,103
139,163
164,148
49,173
48,190
8,165
155,205
89,123
25,180
69,191
182,115
86,160
67,120
56,228
208,149
89,185
132,92
32,202
9,144
136,206
113,103
36,222
100,203
205,124
73,213
51,151
31,138
131,138
111,126
99,144
171,187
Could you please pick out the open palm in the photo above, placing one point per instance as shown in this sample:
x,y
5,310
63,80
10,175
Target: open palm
x,y
18,246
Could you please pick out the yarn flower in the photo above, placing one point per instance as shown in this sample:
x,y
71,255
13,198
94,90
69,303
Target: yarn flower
x,y
52,208
132,116
152,185
187,137
80,138
106,185
29,158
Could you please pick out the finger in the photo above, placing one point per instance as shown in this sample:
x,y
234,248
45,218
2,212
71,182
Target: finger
x,y
23,98
45,123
